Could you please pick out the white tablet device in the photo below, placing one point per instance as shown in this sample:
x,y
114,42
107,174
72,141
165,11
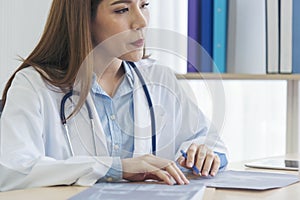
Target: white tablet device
x,y
275,163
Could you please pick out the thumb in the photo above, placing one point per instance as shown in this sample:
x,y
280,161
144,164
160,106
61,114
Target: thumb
x,y
181,161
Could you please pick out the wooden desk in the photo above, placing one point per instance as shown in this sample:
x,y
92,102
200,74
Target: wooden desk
x,y
47,193
64,192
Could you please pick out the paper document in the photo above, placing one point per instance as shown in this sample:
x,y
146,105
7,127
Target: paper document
x,y
134,191
248,180
195,190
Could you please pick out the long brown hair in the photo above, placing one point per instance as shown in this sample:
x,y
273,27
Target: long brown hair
x,y
65,43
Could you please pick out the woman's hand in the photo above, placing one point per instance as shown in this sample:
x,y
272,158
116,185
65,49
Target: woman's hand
x,y
152,167
203,158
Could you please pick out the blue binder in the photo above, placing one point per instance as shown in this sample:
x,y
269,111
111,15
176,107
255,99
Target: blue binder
x,y
219,35
194,35
206,32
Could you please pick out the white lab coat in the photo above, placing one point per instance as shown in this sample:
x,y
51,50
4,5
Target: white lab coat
x,y
35,152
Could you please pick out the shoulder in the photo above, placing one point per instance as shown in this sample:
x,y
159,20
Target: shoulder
x,y
151,67
30,81
29,87
28,74
158,76
31,77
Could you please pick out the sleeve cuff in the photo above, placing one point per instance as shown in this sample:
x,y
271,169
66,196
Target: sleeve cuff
x,y
114,174
223,160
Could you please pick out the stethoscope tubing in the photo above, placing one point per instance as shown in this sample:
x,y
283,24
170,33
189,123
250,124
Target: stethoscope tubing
x,y
90,113
150,104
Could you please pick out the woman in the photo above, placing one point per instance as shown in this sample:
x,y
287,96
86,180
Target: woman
x,y
35,148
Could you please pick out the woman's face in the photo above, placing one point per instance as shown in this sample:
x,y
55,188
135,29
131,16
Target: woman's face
x,y
121,25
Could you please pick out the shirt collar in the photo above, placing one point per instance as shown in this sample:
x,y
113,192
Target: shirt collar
x,y
129,73
129,78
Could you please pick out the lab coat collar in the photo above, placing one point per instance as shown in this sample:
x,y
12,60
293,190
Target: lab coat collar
x,y
123,88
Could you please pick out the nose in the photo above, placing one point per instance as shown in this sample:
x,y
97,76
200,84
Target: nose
x,y
139,20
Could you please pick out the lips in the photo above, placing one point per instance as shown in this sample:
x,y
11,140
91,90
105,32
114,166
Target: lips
x,y
139,43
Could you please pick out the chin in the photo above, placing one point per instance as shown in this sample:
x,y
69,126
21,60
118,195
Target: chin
x,y
133,56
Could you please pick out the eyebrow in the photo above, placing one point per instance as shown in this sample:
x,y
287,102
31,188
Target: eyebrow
x,y
121,1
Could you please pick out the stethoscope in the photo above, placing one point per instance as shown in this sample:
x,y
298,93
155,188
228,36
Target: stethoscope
x,y
91,117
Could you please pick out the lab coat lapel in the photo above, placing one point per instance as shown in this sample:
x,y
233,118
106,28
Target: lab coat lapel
x,y
81,124
142,121
100,136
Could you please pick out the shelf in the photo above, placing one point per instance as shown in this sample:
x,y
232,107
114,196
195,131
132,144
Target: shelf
x,y
215,76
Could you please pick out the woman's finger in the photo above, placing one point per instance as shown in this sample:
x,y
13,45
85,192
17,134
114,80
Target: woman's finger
x,y
201,156
181,161
183,177
158,174
208,163
176,173
215,166
191,153
168,171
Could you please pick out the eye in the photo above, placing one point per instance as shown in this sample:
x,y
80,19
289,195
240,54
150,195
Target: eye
x,y
122,11
145,5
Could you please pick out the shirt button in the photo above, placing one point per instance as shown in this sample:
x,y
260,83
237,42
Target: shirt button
x,y
112,117
116,147
109,179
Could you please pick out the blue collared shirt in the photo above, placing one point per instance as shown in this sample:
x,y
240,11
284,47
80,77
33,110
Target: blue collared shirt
x,y
116,116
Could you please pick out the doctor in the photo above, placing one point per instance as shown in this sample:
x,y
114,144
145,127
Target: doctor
x,y
36,150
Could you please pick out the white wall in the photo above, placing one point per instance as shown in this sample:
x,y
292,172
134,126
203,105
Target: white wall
x,y
21,25
170,15
255,115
